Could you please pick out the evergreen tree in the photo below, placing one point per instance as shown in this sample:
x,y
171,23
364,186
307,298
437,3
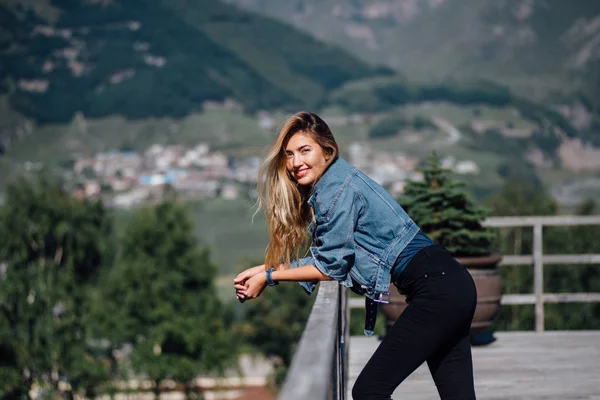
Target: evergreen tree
x,y
52,248
161,299
443,210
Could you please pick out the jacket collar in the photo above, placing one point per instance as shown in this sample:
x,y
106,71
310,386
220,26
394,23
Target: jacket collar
x,y
334,175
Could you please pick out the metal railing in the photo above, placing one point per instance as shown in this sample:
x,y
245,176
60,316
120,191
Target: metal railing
x,y
320,364
538,259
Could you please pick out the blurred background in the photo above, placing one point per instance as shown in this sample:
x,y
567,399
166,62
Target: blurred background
x,y
131,133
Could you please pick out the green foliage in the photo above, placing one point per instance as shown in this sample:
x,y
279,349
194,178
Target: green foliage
x,y
521,198
378,96
274,322
547,140
388,127
63,314
52,248
444,211
384,95
516,198
160,297
211,51
513,151
454,40
493,140
573,278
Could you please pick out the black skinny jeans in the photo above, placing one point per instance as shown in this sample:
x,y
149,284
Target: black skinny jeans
x,y
434,327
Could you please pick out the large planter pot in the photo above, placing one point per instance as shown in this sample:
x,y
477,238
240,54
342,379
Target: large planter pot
x,y
486,275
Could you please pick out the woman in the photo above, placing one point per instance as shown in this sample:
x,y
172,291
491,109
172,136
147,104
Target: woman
x,y
362,238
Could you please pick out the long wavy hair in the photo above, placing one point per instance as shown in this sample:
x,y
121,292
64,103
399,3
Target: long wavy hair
x,y
283,201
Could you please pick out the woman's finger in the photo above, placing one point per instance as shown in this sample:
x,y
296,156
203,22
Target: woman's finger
x,y
242,276
239,286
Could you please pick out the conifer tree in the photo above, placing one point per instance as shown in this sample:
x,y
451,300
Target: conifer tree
x,y
444,211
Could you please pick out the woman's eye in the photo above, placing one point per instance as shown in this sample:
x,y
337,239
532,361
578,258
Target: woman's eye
x,y
304,151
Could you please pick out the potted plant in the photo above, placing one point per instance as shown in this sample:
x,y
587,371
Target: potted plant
x,y
445,212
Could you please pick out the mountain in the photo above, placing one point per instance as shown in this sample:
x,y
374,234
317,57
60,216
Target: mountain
x,y
509,85
152,58
537,47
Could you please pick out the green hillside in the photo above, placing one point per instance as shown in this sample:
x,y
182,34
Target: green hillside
x,y
143,58
537,47
88,76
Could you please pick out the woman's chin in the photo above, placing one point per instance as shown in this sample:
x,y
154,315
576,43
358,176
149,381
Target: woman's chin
x,y
304,181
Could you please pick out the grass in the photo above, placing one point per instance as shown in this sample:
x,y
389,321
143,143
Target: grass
x,y
226,228
221,128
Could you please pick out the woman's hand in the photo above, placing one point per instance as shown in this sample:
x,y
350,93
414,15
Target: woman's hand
x,y
239,282
243,276
254,286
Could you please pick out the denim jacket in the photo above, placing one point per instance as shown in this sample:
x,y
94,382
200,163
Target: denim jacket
x,y
358,232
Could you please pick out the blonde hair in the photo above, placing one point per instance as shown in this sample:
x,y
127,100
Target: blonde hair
x,y
282,199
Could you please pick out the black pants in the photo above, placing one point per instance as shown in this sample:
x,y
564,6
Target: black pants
x,y
434,327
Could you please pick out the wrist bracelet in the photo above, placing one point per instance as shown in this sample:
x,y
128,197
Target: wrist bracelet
x,y
270,280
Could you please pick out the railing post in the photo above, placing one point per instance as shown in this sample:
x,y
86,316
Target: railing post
x,y
538,276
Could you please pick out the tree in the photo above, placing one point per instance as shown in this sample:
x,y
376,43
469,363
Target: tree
x,y
443,210
573,278
52,248
520,198
274,323
161,298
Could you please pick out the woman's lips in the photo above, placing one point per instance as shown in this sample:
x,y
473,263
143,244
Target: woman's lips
x,y
301,173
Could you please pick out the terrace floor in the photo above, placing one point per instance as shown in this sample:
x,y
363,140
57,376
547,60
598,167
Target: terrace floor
x,y
518,366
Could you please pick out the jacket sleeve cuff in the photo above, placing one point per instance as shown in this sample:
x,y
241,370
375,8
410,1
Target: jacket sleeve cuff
x,y
344,278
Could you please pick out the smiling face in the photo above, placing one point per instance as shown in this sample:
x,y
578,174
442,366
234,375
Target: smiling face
x,y
306,160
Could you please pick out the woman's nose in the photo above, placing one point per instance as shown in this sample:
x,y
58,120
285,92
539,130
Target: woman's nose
x,y
297,161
